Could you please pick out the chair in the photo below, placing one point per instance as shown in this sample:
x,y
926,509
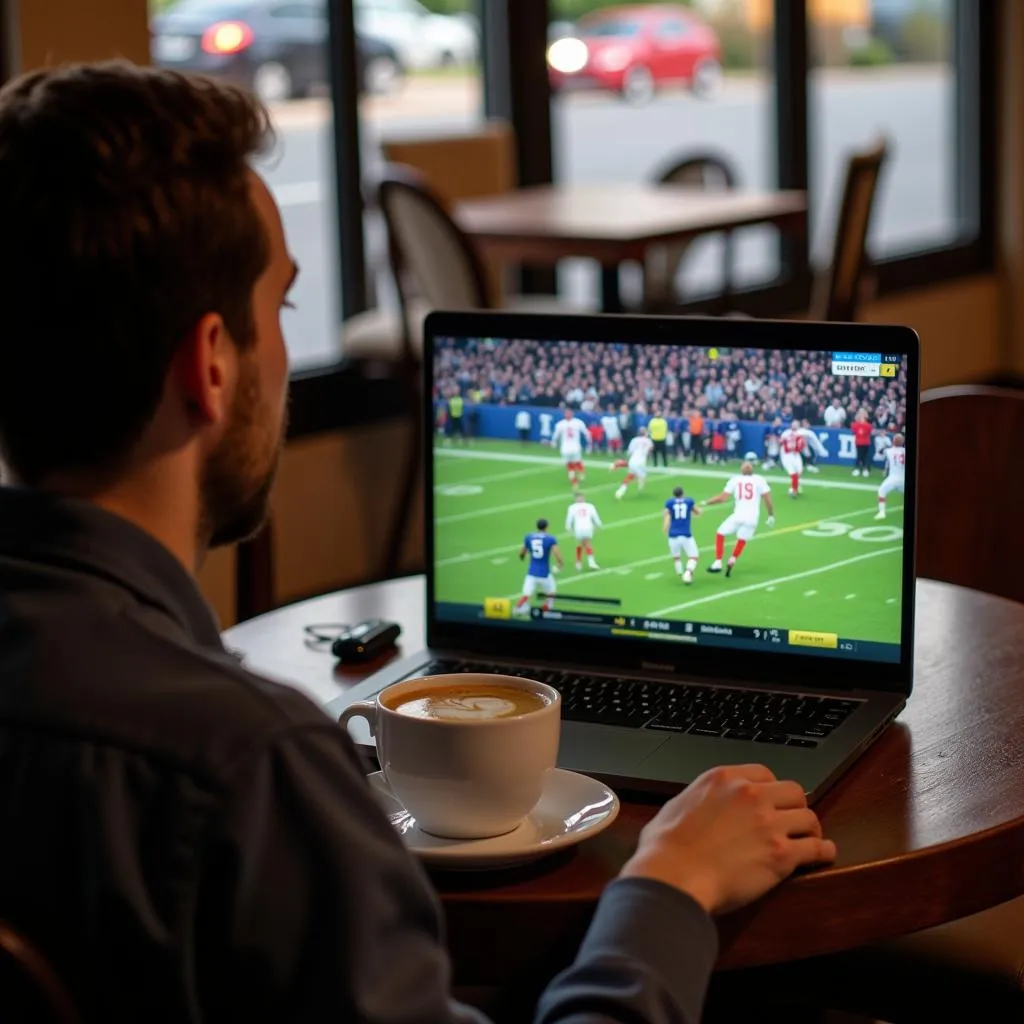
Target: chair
x,y
254,575
971,969
30,991
840,290
456,166
661,264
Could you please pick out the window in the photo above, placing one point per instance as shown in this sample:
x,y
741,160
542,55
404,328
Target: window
x,y
889,68
285,61
431,89
647,95
676,28
786,88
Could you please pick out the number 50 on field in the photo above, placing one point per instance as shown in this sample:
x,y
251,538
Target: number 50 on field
x,y
870,534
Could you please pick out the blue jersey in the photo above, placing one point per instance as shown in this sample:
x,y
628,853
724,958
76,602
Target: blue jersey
x,y
680,516
539,546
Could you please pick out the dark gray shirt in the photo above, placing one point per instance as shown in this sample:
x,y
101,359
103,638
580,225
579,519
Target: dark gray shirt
x,y
189,842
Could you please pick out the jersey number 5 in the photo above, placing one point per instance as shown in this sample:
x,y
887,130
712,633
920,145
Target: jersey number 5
x,y
537,547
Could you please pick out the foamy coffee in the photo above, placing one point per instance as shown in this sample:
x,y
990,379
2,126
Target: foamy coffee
x,y
467,703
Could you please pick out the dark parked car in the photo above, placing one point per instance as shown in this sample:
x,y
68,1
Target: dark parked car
x,y
276,48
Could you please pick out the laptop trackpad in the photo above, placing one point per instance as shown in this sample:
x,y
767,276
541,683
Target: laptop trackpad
x,y
598,750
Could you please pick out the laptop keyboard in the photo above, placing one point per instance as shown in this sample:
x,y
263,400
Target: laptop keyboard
x,y
790,719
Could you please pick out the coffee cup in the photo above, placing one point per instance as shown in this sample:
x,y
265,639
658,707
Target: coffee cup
x,y
468,754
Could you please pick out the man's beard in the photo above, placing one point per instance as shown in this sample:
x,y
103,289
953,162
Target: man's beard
x,y
239,474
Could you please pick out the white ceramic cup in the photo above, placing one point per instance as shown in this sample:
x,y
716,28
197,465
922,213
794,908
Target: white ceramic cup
x,y
464,778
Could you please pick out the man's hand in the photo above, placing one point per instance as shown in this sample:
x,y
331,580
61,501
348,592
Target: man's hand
x,y
729,837
771,520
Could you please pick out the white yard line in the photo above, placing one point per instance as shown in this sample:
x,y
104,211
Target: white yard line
x,y
492,477
505,548
459,517
721,595
585,577
676,469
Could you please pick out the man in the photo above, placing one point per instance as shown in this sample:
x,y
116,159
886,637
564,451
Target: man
x,y
523,422
626,423
796,440
677,523
862,434
733,434
540,547
696,428
581,520
184,840
456,416
895,473
835,414
635,463
612,430
814,448
657,430
747,491
569,436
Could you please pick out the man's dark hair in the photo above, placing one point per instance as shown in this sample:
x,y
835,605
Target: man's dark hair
x,y
542,524
127,216
677,492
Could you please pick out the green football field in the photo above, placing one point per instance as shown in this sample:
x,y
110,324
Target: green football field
x,y
826,565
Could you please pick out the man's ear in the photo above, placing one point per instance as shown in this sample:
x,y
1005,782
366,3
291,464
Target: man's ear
x,y
204,368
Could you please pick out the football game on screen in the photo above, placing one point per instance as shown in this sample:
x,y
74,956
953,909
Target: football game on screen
x,y
724,497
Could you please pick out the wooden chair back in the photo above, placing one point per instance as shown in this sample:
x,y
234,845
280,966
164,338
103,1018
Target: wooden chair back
x,y
30,990
841,288
968,491
470,164
708,171
432,257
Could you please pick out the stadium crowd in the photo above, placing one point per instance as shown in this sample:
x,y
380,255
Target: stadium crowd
x,y
747,384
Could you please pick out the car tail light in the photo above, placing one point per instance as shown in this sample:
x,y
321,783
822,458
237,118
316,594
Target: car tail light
x,y
227,37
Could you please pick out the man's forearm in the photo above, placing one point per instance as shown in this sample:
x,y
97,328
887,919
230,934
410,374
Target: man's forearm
x,y
647,957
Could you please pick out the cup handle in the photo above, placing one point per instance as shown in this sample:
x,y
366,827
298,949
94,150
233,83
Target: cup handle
x,y
361,709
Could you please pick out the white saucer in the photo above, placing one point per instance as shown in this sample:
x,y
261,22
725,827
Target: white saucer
x,y
572,808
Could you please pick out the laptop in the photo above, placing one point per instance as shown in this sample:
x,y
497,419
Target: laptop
x,y
707,612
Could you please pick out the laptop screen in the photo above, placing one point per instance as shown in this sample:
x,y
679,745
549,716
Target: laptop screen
x,y
730,498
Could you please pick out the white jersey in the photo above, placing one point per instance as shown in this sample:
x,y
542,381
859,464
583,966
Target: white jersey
x,y
747,492
611,428
896,463
581,519
796,441
569,436
639,450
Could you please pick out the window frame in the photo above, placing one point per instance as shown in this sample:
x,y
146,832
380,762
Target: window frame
x,y
513,44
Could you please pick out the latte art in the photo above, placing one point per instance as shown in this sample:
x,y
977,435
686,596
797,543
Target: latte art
x,y
467,704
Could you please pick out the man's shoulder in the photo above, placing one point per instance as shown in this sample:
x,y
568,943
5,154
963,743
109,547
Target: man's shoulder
x,y
114,681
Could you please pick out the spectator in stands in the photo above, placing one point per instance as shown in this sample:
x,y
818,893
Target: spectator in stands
x,y
757,385
835,414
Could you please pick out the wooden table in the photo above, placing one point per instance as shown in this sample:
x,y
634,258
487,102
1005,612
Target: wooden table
x,y
929,823
615,223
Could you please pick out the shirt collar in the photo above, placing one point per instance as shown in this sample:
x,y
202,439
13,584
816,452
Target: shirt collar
x,y
44,528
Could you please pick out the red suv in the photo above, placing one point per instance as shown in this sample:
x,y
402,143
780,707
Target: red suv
x,y
633,50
